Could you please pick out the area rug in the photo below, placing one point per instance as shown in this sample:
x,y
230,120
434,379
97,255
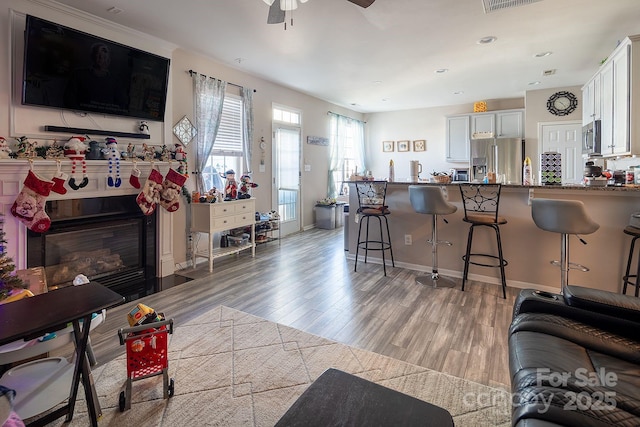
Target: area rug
x,y
234,369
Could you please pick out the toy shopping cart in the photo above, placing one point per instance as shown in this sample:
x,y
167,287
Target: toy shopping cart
x,y
146,356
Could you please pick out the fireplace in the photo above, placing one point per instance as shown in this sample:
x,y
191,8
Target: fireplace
x,y
107,239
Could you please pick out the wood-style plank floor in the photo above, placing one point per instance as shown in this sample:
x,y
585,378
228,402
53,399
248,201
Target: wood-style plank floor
x,y
307,283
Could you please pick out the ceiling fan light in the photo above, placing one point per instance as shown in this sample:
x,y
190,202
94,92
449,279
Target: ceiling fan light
x,y
288,4
303,1
269,2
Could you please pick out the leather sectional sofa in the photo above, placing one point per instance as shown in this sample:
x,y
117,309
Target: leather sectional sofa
x,y
574,359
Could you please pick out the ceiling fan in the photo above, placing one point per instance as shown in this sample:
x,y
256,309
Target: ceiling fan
x,y
278,8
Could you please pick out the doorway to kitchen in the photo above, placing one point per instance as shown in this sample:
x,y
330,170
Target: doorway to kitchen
x,y
564,138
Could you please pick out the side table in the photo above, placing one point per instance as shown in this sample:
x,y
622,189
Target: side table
x,y
33,317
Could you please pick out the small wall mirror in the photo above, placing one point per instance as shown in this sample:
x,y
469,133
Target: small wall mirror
x,y
184,130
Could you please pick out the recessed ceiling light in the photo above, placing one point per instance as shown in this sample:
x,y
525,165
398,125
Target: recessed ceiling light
x,y
534,83
441,70
458,93
115,10
385,99
487,40
542,54
377,82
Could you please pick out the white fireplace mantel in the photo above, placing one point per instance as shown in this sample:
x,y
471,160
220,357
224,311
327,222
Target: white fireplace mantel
x,y
14,171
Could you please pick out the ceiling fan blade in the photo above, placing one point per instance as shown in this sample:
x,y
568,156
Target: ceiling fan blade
x,y
276,15
363,3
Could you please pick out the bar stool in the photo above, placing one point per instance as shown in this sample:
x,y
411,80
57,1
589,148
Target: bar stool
x,y
429,200
565,217
481,203
626,279
371,201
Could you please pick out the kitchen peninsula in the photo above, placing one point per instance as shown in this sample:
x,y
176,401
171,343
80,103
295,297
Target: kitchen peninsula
x,y
528,249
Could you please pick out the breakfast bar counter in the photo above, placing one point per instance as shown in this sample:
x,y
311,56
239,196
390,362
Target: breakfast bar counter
x,y
528,249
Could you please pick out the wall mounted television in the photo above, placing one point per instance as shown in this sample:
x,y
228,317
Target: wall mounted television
x,y
70,69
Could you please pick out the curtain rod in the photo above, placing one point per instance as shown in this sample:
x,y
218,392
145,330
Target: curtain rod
x,y
342,115
232,84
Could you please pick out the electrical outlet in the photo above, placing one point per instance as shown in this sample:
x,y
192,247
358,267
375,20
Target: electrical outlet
x,y
407,239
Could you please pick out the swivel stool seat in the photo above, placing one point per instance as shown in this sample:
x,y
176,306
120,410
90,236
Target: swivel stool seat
x,y
481,203
429,200
371,204
565,217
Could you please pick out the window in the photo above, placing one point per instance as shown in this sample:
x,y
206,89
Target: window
x,y
286,116
347,152
227,148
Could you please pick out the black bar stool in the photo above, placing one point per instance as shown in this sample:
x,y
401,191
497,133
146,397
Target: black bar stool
x,y
481,203
626,279
429,200
371,200
565,217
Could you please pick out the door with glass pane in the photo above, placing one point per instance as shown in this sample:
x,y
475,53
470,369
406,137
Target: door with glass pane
x,y
286,175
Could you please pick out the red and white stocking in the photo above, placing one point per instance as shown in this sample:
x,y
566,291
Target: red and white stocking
x,y
170,193
29,205
150,194
134,178
58,181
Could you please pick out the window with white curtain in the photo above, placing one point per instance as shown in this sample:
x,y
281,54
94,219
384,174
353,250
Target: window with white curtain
x,y
227,148
347,152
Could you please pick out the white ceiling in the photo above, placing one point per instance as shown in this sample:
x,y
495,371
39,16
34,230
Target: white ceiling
x,y
384,58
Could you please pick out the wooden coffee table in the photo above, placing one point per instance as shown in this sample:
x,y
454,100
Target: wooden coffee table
x,y
338,398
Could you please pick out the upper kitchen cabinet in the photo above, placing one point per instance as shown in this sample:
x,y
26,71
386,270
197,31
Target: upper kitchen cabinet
x,y
613,97
458,139
461,128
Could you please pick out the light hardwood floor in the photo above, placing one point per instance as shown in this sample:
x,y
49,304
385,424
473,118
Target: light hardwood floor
x,y
307,283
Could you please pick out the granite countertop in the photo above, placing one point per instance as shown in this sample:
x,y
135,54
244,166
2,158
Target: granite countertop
x,y
624,188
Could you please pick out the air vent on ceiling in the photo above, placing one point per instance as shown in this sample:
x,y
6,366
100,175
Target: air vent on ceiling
x,y
548,72
493,5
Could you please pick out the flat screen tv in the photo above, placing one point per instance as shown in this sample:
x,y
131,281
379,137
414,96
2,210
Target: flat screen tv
x,y
66,68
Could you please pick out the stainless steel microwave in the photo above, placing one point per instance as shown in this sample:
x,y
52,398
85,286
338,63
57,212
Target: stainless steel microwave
x,y
591,138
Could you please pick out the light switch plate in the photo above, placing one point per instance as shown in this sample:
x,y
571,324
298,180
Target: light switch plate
x,y
307,168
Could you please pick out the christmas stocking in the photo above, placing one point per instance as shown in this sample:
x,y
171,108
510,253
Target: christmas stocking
x,y
29,205
170,192
58,183
134,178
149,196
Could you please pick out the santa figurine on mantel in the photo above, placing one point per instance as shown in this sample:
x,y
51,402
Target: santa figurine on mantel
x,y
75,149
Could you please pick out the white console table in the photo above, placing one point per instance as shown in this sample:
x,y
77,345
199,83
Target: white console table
x,y
215,217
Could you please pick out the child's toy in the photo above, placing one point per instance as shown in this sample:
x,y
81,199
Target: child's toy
x,y
231,186
147,356
244,192
141,315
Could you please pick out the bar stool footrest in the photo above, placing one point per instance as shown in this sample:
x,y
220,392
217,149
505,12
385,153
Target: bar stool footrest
x,y
378,246
572,265
494,257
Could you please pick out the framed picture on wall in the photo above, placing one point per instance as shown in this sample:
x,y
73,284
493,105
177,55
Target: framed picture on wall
x,y
419,145
403,145
387,146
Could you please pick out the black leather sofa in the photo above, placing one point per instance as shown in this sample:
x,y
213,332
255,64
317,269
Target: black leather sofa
x,y
574,359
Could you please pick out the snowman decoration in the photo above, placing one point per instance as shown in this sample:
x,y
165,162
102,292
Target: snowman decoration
x,y
75,149
143,127
113,155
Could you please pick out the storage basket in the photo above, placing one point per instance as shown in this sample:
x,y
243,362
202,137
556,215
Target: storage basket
x,y
237,241
442,179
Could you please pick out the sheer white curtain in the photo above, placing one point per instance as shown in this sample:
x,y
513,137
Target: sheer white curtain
x,y
247,126
346,142
208,96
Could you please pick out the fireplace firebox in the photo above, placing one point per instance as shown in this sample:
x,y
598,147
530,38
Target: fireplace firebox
x,y
107,239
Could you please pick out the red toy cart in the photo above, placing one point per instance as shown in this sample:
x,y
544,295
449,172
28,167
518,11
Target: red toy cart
x,y
146,356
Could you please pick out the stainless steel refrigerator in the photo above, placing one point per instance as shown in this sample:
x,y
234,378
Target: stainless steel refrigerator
x,y
504,156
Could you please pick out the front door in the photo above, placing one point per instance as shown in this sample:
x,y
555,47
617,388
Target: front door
x,y
565,138
287,177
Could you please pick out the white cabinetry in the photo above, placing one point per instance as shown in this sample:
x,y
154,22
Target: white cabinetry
x,y
458,139
613,96
460,129
214,217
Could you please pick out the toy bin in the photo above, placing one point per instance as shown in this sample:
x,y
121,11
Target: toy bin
x,y
147,356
